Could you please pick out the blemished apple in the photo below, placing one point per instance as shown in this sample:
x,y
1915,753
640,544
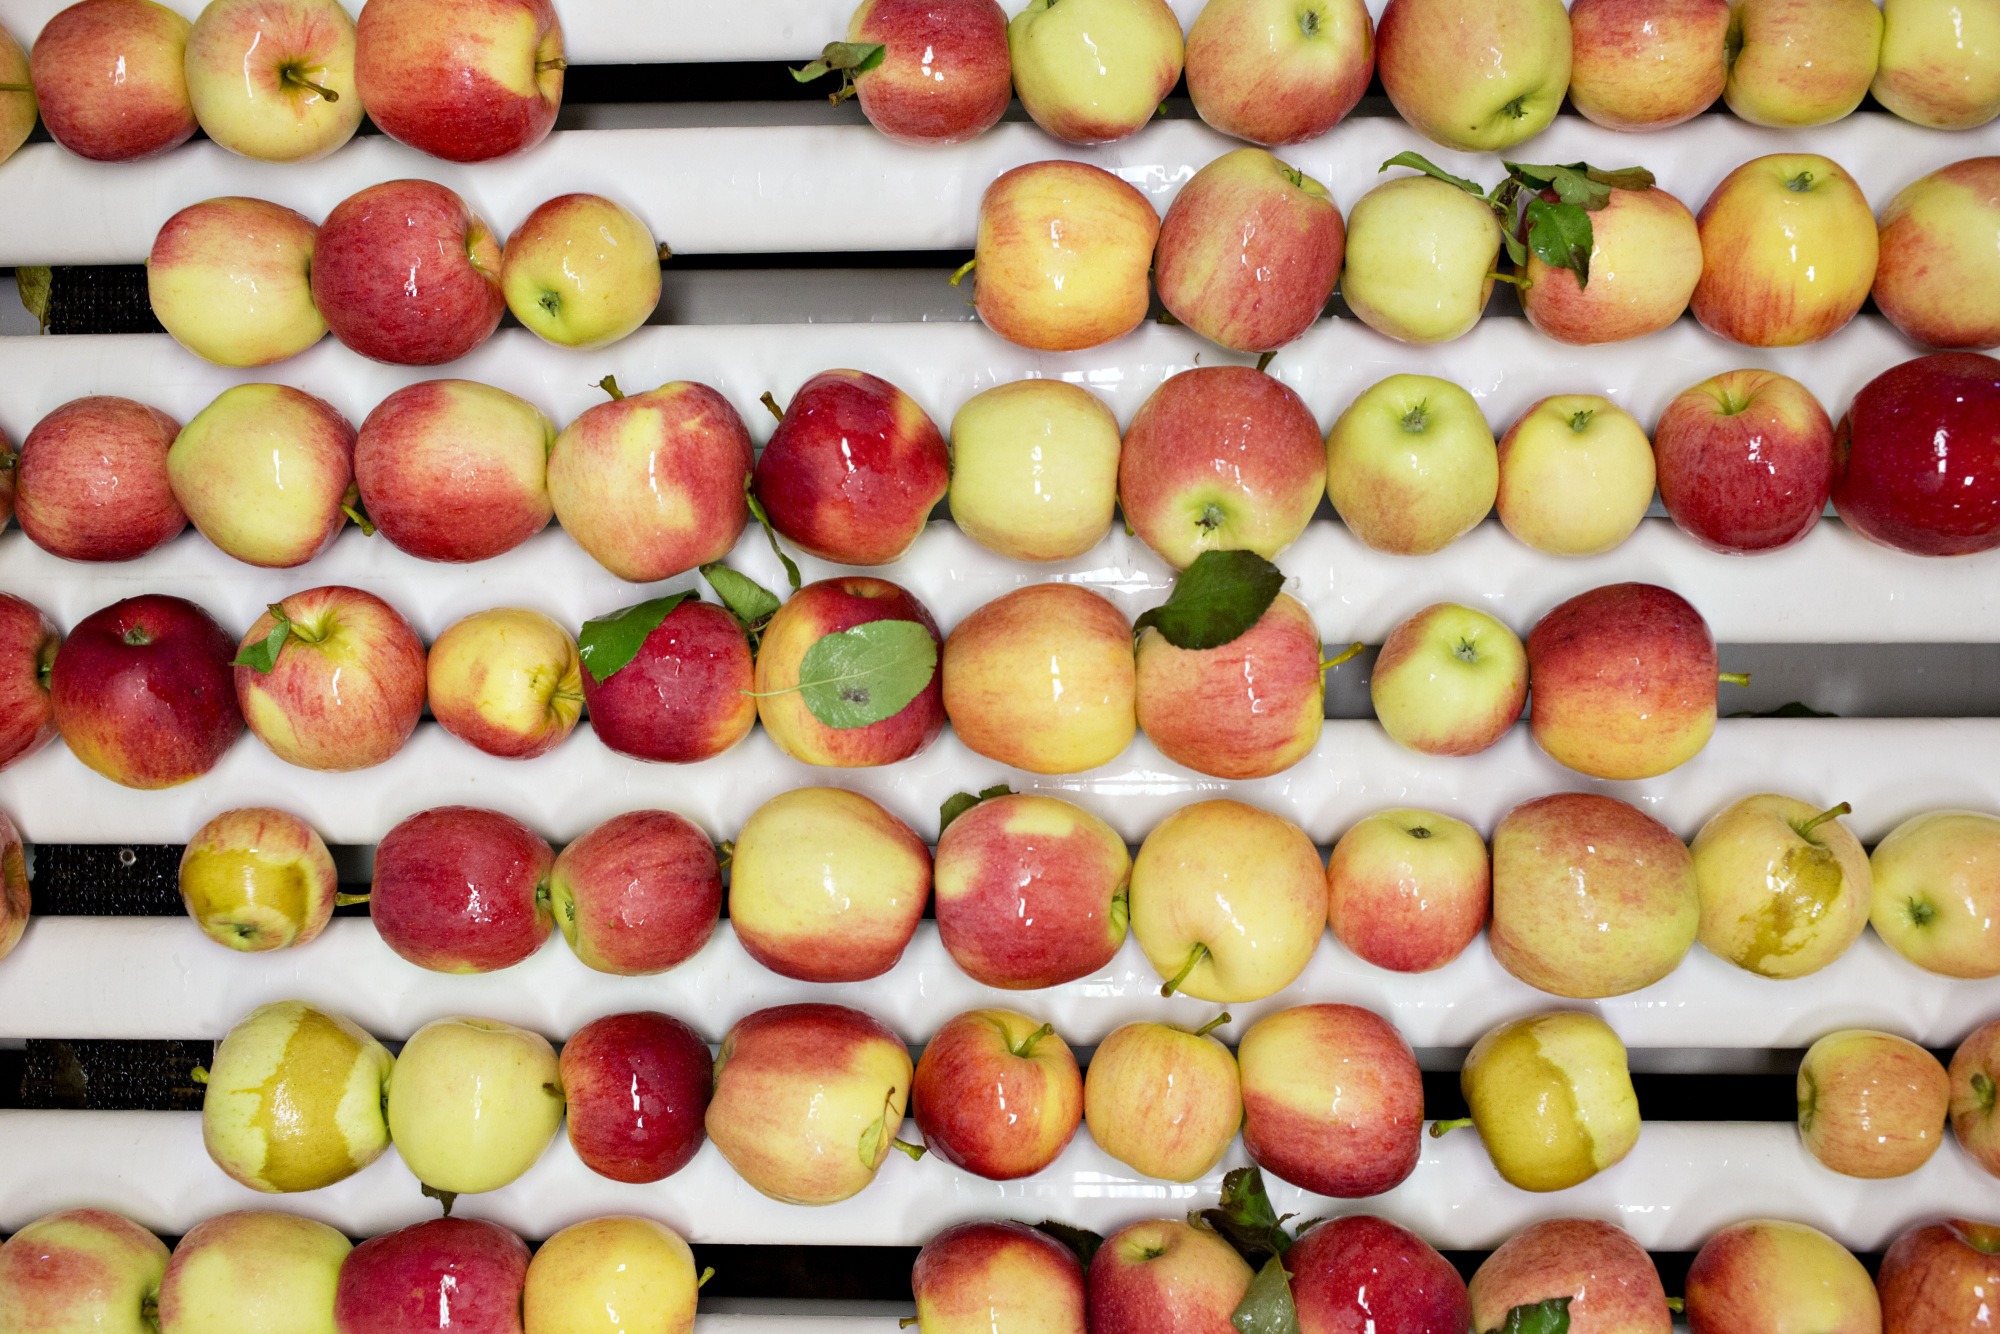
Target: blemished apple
x,y
1872,1104
1449,681
685,696
1276,71
81,1269
1249,251
1042,679
473,1103
1220,458
1551,1098
1338,1268
826,886
637,1086
1771,1274
1939,63
460,1274
1645,259
945,75
620,1273
1475,80
1785,887
1797,63
1940,1276
1788,250
141,691
1744,461
1062,257
997,1093
638,894
1034,469
231,280
346,687
90,482
507,681
1332,1100
1228,901
1091,71
1975,1083
651,485
258,879
1937,892
1030,892
1647,64
1421,256
1408,890
295,1098
462,890
404,272
263,471
18,111
853,470
16,901
1576,475
254,1271
28,644
808,1100
1164,1274
109,76
581,271
828,607
1162,1099
464,80
1411,465
1916,458
1606,1276
450,470
980,1277
1591,897
1932,275
274,82
1246,709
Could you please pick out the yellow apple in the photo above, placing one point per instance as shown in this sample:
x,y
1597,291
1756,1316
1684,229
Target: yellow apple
x,y
581,271
1937,892
617,1275
1940,62
1788,248
1552,1099
1062,256
1411,465
1938,271
474,1102
507,681
1801,62
255,1271
1090,71
231,280
1576,475
1420,259
274,82
17,105
1478,78
1163,1100
1034,469
258,879
1785,887
1449,681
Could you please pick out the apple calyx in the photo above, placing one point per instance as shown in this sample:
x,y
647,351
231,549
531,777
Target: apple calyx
x,y
1352,650
137,636
1544,1317
445,1198
294,76
848,59
1025,1048
1984,1092
1832,813
1439,1129
1173,984
958,803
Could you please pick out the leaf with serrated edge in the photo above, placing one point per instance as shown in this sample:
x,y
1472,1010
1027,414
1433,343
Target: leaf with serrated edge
x,y
958,803
855,677
747,600
606,643
1267,1308
1418,162
1215,599
1243,1216
1545,1317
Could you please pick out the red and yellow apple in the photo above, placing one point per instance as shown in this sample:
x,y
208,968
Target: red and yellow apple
x,y
1163,1100
1975,1090
253,1271
1090,71
274,82
1338,1270
404,272
1277,71
258,879
1796,63
1937,892
1940,63
1768,1274
231,280
1449,681
1246,709
1788,249
1609,1282
1165,1274
90,482
506,681
997,1278
638,894
1408,890
1940,1276
1062,256
1645,259
1411,466
110,78
997,1094
1937,266
831,607
1744,460
1872,1105
1479,79
464,80
347,685
28,644
263,472
1333,1101
1576,475
581,271
944,76
82,1269
1647,64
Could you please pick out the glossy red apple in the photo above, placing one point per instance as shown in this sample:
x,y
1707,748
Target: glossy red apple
x,y
638,894
998,1094
1366,1273
405,273
464,80
637,1086
1166,1276
110,78
91,480
994,1277
1917,457
462,890
945,77
28,644
1941,1278
347,685
1610,1281
1332,1100
1744,460
455,1274
684,696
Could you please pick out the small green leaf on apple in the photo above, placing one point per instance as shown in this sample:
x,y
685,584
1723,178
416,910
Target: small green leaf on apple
x,y
1217,598
848,59
958,803
1561,236
875,1140
606,643
1245,1218
447,1198
1546,1317
1267,1308
1084,1242
855,677
1418,162
262,656
770,533
748,601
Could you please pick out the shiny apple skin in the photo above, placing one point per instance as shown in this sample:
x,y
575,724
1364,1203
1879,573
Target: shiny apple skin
x,y
1332,1100
432,74
946,77
685,696
91,480
462,890
1917,457
109,78
983,1108
1745,461
1941,1278
637,1086
28,645
1362,1273
455,1274
404,273
638,894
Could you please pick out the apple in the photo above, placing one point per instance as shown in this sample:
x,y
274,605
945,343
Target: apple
x,y
651,485
29,642
1645,259
1551,1098
473,1103
1449,681
994,1277
254,1271
264,471
1220,458
18,110
1034,469
1937,892
1362,1273
808,1099
1975,1076
1788,249
1408,890
637,1085
90,482
826,886
853,470
274,81
507,681
456,1274
831,607
684,696
1249,251
451,470
1784,886
464,80
404,272
1475,80
1165,1276
625,1274
1607,1279
1745,461
1916,458
346,686
1647,64
1030,892
1940,1276
1042,679
1591,897
1932,272
1411,466
638,894
15,903
258,879
81,1269
1576,475
1332,1100
1162,1099
1940,63
1228,901
997,1094
141,691
1624,682
1091,71
1063,253
581,271
230,279
1767,1274
1872,1104
1246,709
462,890
108,76
1421,256
1278,71
295,1099
1795,63
944,77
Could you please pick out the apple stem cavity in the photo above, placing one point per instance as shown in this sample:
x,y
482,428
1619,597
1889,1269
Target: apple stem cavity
x,y
138,636
1516,109
1309,23
295,76
1439,1129
1195,956
1921,912
1984,1091
1025,1048
1734,678
609,384
1833,813
1212,1024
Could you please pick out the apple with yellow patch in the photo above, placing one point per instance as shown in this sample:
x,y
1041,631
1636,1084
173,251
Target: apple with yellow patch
x,y
1062,256
1162,1099
1788,247
1785,886
254,1271
258,879
507,681
274,82
1551,1098
1938,270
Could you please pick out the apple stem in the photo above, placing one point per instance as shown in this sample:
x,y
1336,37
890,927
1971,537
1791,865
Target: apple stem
x,y
348,900
1350,651
725,853
298,79
447,1198
1800,183
1026,1047
706,1274
772,404
1676,1305
17,87
1199,953
609,384
664,253
1167,317
958,274
1734,678
1513,278
1805,830
1212,1024
1439,1129
906,1322
544,66
916,1151
1264,361
199,1074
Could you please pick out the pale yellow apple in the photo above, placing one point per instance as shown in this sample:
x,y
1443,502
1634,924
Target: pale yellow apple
x,y
617,1275
1940,62
1063,256
274,82
255,1271
1552,1099
1788,248
1450,680
1090,71
1411,465
1163,1100
80,1271
1937,892
258,879
1476,77
1034,469
263,471
231,280
1420,259
1801,62
508,681
1576,475
17,106
1769,1274
474,1103
1785,887
581,271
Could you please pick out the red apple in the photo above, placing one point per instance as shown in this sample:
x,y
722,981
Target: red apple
x,y
945,77
1249,708
462,890
997,1094
405,273
1975,1091
347,685
110,79
1165,1276
464,80
15,900
853,470
1940,1278
638,894
1366,1273
1408,890
684,696
1647,64
1608,1278
1277,71
637,1086
1916,460
455,1274
28,644
1938,270
1332,1100
1745,460
996,1277
143,692
91,480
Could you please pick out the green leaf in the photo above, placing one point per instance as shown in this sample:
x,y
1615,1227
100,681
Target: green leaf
x,y
1549,1317
262,656
958,803
1245,1219
606,643
757,513
34,284
1418,162
1081,1240
1267,1307
1795,709
852,678
1215,599
748,601
1623,178
1580,183
1517,249
1560,235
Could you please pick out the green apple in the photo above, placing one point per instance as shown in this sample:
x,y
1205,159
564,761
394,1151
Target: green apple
x,y
1475,77
1937,892
255,1271
1449,681
1090,71
1784,886
1793,64
295,1099
258,879
1940,62
617,1275
1034,469
1551,1098
581,271
1163,1100
1420,259
474,1103
1411,466
1576,475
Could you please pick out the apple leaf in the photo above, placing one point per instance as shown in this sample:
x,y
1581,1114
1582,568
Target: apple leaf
x,y
764,520
1418,162
958,803
1216,599
262,656
1546,1317
874,1143
1267,1308
606,643
852,678
1580,183
748,601
1561,236
1245,1219
849,58
446,1198
34,284
1081,1240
